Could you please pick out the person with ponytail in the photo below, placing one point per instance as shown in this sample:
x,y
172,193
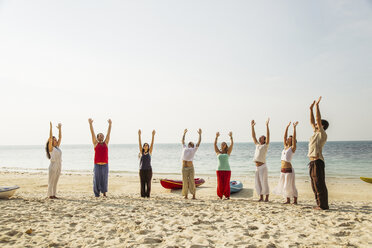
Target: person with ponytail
x,y
54,154
100,178
145,172
223,170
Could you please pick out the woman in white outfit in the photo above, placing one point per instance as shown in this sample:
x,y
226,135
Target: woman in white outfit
x,y
262,145
287,186
54,154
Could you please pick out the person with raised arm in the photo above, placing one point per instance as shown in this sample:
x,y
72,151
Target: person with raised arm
x,y
315,154
101,169
145,171
262,145
223,171
287,185
188,171
54,153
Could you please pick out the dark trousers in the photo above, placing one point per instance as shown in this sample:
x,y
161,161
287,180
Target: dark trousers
x,y
100,179
318,184
145,177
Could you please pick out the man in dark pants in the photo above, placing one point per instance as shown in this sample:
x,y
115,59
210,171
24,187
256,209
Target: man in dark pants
x,y
316,144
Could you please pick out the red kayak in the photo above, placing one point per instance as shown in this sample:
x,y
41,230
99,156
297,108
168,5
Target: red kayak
x,y
175,184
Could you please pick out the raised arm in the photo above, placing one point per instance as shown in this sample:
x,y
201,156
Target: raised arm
x,y
94,139
183,137
294,145
312,120
200,133
231,144
107,140
59,134
139,141
215,144
267,131
50,144
318,117
254,133
286,134
152,141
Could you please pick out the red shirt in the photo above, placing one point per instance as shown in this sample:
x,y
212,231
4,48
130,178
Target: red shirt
x,y
101,153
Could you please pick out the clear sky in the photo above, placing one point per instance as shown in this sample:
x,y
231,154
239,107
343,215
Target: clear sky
x,y
171,65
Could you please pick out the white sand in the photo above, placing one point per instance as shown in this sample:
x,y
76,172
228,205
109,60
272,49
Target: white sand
x,y
124,219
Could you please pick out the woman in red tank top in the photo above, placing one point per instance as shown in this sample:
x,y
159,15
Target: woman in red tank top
x,y
100,179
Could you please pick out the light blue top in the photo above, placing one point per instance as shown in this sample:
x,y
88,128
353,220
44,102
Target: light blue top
x,y
223,162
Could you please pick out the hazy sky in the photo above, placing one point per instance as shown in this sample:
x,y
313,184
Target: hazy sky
x,y
169,65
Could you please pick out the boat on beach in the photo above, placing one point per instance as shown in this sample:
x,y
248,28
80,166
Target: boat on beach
x,y
235,186
177,184
7,191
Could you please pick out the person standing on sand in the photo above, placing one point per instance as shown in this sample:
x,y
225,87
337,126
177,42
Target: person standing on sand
x,y
188,171
54,154
223,171
316,165
287,184
145,172
262,145
100,178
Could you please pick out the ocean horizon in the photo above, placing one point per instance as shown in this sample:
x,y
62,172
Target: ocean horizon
x,y
344,159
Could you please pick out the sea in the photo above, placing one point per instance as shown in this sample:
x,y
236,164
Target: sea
x,y
346,159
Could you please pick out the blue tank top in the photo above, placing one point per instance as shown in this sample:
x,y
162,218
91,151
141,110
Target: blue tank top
x,y
145,163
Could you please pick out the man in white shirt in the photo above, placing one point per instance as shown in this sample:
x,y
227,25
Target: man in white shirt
x,y
188,172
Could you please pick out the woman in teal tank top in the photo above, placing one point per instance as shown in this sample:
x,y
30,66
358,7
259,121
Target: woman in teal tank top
x,y
223,170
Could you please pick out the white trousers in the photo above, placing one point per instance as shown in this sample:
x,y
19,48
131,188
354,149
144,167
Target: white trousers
x,y
54,173
286,185
261,181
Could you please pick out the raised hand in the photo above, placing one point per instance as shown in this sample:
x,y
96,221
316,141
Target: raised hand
x,y
317,102
90,120
312,105
230,134
59,126
268,121
153,132
109,121
199,131
289,124
253,123
295,124
217,134
185,131
139,132
50,124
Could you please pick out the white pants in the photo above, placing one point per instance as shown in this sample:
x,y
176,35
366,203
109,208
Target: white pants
x,y
261,182
286,185
54,173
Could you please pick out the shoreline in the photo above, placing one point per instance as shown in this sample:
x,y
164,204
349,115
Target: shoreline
x,y
16,170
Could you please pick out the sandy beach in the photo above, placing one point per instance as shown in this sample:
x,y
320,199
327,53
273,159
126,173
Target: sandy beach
x,y
78,219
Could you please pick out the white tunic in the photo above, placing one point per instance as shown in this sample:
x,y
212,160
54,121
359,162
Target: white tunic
x,y
260,153
287,155
188,153
54,170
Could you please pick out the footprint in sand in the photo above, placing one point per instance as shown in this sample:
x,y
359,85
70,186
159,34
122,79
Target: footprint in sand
x,y
341,234
252,228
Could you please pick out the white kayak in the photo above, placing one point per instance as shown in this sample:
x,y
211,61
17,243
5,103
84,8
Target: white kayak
x,y
7,191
